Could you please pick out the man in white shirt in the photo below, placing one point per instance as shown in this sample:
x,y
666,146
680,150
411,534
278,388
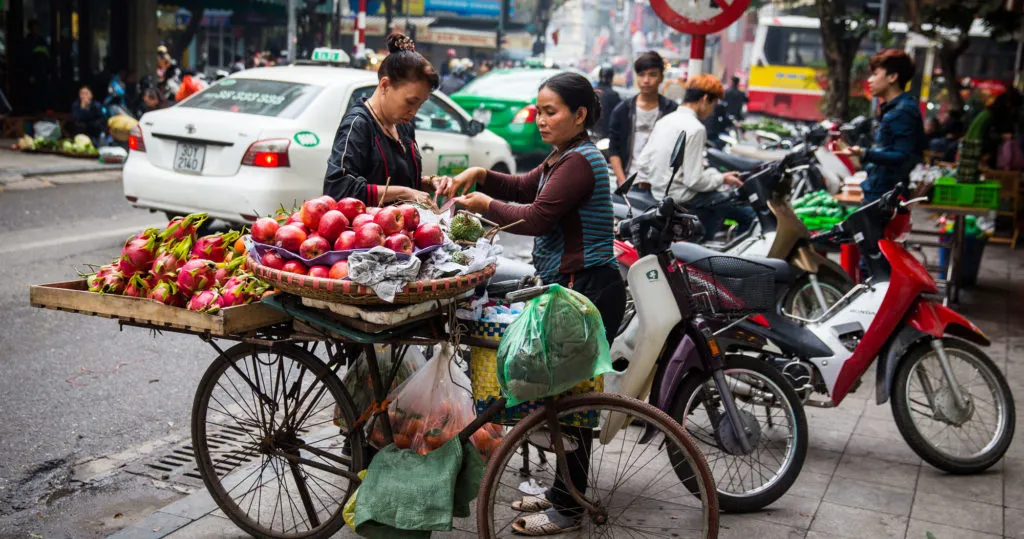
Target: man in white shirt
x,y
694,186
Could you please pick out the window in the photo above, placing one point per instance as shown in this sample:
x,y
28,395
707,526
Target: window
x,y
436,115
259,97
521,85
358,95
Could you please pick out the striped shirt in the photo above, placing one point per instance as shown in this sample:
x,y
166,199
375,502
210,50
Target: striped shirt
x,y
566,204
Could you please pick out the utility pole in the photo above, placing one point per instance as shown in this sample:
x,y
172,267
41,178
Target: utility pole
x,y
502,24
361,28
292,33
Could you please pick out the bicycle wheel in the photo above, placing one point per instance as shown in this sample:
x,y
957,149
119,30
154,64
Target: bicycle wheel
x,y
773,417
285,403
631,473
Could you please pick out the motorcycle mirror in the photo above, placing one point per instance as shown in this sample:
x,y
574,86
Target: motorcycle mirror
x,y
626,185
678,153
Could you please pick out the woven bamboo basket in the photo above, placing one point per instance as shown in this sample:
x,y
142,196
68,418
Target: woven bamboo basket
x,y
351,293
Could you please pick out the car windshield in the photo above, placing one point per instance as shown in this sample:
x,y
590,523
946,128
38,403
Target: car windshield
x,y
260,97
517,85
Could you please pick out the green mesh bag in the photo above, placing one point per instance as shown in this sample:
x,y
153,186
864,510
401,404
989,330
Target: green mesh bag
x,y
557,342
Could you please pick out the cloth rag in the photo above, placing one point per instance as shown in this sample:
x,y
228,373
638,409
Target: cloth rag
x,y
382,271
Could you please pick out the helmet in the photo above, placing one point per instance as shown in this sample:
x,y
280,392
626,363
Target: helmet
x,y
606,74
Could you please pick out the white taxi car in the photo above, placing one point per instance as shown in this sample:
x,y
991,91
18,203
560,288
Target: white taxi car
x,y
261,138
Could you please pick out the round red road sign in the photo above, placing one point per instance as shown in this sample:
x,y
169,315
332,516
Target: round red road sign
x,y
699,17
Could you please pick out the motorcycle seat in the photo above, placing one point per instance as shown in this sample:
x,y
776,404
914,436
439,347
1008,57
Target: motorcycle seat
x,y
691,252
640,199
731,161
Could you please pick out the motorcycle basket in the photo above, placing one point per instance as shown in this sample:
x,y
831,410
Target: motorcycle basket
x,y
730,287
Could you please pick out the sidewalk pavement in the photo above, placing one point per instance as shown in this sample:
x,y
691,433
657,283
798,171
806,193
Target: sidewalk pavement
x,y
16,166
860,479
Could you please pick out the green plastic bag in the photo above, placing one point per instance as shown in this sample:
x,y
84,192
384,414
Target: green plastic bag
x,y
557,342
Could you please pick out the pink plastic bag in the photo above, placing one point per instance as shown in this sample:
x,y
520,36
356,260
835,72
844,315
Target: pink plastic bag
x,y
1010,156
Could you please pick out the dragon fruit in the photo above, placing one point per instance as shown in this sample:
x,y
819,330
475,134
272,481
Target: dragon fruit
x,y
165,292
241,290
226,270
138,252
183,227
171,257
215,247
207,301
195,276
107,280
137,287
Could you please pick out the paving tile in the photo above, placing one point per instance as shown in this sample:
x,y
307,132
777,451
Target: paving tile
x,y
958,512
838,520
878,428
743,527
1013,482
878,471
1013,523
882,448
829,440
155,526
871,496
920,529
821,461
209,527
985,487
810,485
790,510
192,507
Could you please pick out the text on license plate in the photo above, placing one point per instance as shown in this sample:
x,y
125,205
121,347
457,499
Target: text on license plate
x,y
482,115
189,157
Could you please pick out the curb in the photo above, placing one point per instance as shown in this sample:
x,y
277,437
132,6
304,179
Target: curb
x,y
69,169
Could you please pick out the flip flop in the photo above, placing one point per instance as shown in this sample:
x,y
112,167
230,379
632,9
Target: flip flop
x,y
532,504
538,524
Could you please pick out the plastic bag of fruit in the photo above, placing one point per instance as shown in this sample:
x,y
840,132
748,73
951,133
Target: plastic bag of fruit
x,y
432,407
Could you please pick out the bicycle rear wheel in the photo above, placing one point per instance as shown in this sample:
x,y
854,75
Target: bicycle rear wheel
x,y
628,476
284,404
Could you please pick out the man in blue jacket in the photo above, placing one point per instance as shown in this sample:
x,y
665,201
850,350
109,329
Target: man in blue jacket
x,y
900,140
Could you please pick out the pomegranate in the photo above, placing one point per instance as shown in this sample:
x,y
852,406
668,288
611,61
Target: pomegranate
x,y
207,301
346,241
215,246
399,243
272,260
369,235
137,287
138,252
263,230
195,276
390,220
332,224
412,216
320,271
294,266
295,217
339,270
331,203
312,211
314,247
351,207
165,292
428,235
290,238
361,220
172,257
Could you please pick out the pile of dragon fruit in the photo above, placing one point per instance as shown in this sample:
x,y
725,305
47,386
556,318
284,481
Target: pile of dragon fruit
x,y
323,225
176,267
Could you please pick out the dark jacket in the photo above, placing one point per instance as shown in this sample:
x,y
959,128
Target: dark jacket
x,y
734,101
899,146
364,157
89,120
621,129
609,100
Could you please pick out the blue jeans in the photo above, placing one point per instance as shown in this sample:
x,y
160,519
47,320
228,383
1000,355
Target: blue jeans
x,y
713,208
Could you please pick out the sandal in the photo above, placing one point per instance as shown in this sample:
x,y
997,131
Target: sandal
x,y
532,504
539,524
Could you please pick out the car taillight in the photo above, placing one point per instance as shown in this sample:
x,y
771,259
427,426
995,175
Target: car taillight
x,y
135,140
526,115
270,153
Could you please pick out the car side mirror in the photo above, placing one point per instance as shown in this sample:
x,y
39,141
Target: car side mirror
x,y
475,128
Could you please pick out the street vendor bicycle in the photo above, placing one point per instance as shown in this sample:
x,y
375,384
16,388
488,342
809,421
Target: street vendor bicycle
x,y
275,392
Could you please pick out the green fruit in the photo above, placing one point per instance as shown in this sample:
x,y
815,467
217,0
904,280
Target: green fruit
x,y
466,228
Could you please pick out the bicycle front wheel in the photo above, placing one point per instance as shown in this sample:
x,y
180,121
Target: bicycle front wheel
x,y
277,409
625,478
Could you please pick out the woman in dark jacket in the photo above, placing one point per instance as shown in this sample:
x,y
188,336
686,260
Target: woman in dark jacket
x,y
88,115
376,139
566,203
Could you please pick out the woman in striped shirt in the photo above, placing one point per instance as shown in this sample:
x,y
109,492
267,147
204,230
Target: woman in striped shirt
x,y
566,203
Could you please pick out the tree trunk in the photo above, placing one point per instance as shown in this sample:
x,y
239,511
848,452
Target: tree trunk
x,y
949,54
840,49
182,40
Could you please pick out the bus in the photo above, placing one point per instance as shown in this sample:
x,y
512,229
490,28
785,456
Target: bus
x,y
788,80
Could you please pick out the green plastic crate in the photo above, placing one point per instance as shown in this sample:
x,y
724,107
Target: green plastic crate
x,y
986,195
948,192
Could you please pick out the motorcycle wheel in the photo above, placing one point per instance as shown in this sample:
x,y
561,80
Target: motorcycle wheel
x,y
774,414
954,440
801,301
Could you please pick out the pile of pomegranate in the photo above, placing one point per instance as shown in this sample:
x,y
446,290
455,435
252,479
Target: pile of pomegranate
x,y
176,267
324,225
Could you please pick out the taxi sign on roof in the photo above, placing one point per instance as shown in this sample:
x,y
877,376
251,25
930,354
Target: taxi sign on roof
x,y
333,56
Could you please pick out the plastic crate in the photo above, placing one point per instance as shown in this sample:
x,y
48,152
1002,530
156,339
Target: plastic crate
x,y
948,192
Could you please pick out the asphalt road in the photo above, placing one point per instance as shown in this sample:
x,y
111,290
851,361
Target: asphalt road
x,y
75,387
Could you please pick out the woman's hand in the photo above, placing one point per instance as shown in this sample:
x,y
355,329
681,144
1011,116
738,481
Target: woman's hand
x,y
461,183
475,202
852,151
408,194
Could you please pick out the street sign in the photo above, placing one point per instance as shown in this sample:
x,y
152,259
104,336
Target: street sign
x,y
699,17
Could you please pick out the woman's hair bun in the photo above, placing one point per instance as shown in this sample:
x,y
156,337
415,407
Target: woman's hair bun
x,y
398,42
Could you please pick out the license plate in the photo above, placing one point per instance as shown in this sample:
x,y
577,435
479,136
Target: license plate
x,y
189,157
482,115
